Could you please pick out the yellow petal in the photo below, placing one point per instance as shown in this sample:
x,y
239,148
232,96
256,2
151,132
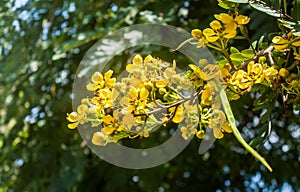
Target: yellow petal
x,y
137,59
210,35
178,117
226,127
97,77
108,75
114,94
206,97
197,71
196,33
72,117
128,120
230,35
215,25
98,139
280,43
144,93
108,130
107,119
105,94
133,93
91,87
148,59
72,125
130,68
242,19
82,109
218,133
280,47
296,43
225,18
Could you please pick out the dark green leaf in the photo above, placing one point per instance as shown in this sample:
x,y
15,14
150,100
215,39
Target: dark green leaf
x,y
263,7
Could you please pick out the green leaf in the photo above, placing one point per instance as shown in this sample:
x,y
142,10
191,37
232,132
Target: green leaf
x,y
234,50
247,53
227,4
256,142
237,57
263,7
296,11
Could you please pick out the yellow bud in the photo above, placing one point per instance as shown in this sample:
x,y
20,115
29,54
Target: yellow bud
x,y
148,59
200,134
162,91
137,59
283,72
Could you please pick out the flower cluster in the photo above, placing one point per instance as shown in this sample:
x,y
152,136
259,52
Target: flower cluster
x,y
224,28
241,81
152,94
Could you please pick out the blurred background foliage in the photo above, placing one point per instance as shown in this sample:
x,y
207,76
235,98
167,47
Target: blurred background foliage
x,y
41,45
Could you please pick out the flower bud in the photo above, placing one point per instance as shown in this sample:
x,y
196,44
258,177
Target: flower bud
x,y
283,72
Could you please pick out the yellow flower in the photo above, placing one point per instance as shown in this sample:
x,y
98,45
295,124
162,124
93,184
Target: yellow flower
x,y
216,31
241,20
218,124
197,33
280,43
137,63
99,82
254,70
109,82
225,18
109,125
148,59
269,74
238,20
241,79
187,131
78,117
72,117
